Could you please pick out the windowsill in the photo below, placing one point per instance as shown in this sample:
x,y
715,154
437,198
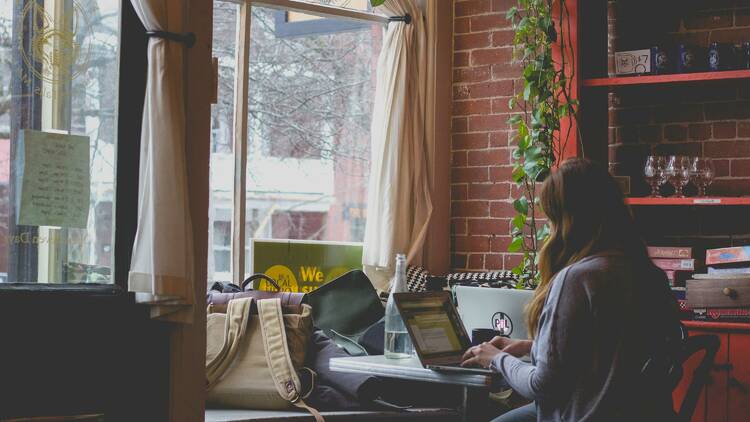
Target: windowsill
x,y
77,290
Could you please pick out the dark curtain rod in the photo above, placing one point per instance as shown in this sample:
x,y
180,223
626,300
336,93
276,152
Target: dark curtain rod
x,y
187,38
405,19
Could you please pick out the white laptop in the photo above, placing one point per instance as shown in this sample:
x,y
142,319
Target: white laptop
x,y
499,309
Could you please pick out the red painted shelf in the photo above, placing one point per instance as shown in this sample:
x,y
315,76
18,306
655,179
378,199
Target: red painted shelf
x,y
667,79
717,325
690,201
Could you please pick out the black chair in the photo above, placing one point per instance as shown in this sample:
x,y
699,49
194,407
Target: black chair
x,y
669,369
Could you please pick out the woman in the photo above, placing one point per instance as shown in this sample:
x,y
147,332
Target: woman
x,y
601,310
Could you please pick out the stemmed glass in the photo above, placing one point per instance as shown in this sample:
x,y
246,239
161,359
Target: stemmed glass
x,y
678,173
703,172
654,173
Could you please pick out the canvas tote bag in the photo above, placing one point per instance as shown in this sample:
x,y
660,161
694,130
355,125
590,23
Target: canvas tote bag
x,y
252,360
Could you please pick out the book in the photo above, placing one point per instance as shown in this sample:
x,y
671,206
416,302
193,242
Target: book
x,y
728,255
722,314
730,270
670,252
677,277
722,276
675,264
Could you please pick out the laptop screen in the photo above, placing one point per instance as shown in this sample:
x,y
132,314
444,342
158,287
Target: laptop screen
x,y
434,324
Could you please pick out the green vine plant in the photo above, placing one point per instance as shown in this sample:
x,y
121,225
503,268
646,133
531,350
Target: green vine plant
x,y
543,102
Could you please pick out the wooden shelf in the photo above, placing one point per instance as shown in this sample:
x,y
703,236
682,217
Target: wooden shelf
x,y
679,78
709,201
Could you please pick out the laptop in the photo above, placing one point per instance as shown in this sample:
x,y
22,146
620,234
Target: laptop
x,y
499,309
436,331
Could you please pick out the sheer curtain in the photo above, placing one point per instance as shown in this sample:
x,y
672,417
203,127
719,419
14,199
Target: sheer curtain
x,y
161,270
399,205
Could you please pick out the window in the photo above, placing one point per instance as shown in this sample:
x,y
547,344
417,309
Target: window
x,y
59,74
310,81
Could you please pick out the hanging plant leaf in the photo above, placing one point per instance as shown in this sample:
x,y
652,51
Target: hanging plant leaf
x,y
376,3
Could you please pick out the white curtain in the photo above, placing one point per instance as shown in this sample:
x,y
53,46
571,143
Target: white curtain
x,y
399,205
161,270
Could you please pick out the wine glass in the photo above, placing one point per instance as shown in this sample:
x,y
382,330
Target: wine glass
x,y
653,172
704,172
678,173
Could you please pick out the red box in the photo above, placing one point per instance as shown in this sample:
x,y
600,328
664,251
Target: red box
x,y
670,252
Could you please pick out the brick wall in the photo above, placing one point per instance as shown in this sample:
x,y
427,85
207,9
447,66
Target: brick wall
x,y
483,82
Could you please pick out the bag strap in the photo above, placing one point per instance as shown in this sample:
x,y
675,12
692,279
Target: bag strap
x,y
238,313
277,355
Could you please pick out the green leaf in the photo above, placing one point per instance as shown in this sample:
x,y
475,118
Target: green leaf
x,y
516,245
376,3
519,221
521,205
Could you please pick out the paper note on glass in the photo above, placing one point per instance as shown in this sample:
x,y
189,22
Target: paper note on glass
x,y
52,179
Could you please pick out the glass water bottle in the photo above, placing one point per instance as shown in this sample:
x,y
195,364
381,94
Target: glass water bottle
x,y
397,341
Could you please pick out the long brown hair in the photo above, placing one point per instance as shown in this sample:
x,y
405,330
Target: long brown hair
x,y
587,215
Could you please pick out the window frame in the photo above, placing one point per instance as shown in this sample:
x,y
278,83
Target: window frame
x,y
241,91
132,65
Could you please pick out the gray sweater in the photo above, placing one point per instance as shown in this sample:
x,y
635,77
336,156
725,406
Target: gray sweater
x,y
598,326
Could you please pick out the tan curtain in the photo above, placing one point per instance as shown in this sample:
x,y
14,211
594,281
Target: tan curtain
x,y
398,206
161,270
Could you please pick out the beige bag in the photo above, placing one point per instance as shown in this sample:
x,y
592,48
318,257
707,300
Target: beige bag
x,y
252,360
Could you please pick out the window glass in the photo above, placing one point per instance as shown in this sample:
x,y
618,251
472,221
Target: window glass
x,y
310,109
58,115
222,140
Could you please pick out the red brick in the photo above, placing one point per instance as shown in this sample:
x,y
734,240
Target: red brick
x,y
470,208
487,123
491,191
500,105
501,209
459,125
459,192
501,173
493,262
461,92
487,226
503,5
730,187
458,226
471,41
466,108
487,22
472,7
742,17
500,138
470,141
472,74
458,159
743,129
699,131
741,168
676,133
721,167
503,38
727,35
488,157
476,262
461,25
491,56
500,243
491,89
469,174
725,130
511,261
506,71
472,243
461,59
727,149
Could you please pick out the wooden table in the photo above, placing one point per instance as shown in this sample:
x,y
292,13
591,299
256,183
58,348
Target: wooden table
x,y
475,386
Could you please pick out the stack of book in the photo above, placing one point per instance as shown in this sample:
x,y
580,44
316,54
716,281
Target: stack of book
x,y
723,294
677,262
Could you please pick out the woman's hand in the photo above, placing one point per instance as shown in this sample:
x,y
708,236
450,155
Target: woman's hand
x,y
512,347
480,355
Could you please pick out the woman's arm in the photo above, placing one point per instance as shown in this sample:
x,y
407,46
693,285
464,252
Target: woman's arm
x,y
559,344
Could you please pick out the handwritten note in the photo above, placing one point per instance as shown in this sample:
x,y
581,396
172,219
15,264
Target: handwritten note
x,y
52,179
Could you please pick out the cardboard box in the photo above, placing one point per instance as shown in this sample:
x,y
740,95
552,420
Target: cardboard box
x,y
728,255
670,252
